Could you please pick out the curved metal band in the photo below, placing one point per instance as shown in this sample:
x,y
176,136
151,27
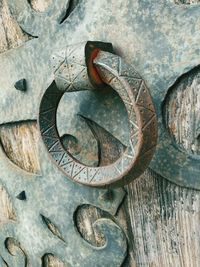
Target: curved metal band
x,y
141,114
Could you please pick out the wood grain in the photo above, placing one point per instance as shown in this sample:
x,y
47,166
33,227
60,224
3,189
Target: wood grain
x,y
19,142
164,223
39,5
182,112
6,209
11,34
52,261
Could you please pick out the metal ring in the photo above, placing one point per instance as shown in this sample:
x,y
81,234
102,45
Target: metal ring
x,y
72,75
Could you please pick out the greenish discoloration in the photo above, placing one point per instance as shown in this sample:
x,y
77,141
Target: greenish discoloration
x,y
50,195
148,34
54,197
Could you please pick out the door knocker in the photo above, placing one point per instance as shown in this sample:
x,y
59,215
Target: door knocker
x,y
45,203
159,53
92,66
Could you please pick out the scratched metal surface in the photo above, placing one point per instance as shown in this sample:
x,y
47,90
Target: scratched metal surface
x,y
50,197
72,75
46,204
149,34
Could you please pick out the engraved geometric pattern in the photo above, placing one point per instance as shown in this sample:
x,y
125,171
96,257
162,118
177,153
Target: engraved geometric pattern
x,y
72,76
45,204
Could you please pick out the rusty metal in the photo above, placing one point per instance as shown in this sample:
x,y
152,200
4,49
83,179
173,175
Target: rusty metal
x,y
72,76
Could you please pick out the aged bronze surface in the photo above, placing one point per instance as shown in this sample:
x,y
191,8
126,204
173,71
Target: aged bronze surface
x,y
140,32
149,34
71,76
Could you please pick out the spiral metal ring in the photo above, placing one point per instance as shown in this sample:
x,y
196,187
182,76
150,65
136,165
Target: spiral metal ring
x,y
89,67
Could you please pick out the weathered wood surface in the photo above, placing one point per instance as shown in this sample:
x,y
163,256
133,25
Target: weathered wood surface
x,y
182,114
20,140
161,219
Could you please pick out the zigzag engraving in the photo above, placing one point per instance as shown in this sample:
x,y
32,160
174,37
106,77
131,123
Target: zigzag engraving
x,y
137,100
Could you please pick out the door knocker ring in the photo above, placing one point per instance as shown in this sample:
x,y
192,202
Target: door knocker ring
x,y
91,66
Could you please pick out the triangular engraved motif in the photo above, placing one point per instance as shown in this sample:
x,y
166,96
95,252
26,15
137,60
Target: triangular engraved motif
x,y
77,169
57,156
45,124
48,115
77,73
118,169
119,166
134,124
135,84
82,175
46,104
49,141
92,173
81,82
126,70
57,59
132,147
65,160
73,55
148,122
62,83
133,128
98,175
68,168
51,132
143,98
56,147
147,114
149,130
60,53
